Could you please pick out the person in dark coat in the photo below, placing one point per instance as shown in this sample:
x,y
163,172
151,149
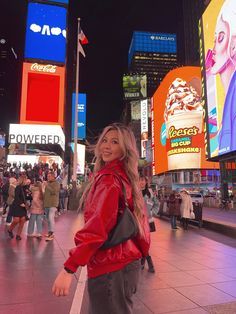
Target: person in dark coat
x,y
18,208
174,209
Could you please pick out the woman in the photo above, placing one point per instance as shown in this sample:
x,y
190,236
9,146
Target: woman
x,y
18,208
186,208
224,64
173,204
149,202
36,210
112,273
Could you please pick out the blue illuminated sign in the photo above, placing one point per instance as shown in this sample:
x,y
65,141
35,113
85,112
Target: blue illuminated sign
x,y
152,42
46,32
81,116
60,1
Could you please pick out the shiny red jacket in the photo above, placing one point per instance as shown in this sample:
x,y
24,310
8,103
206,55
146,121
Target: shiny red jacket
x,y
100,213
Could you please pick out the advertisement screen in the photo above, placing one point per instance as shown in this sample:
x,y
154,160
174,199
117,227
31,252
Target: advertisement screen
x,y
80,157
152,42
36,134
135,86
81,116
58,1
2,140
42,94
219,41
46,32
178,111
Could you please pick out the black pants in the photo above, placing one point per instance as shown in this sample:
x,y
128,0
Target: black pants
x,y
112,293
185,223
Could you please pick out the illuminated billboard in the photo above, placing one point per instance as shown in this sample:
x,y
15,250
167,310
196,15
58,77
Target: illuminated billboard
x,y
58,1
46,32
144,127
81,116
80,157
218,26
135,86
42,94
36,134
152,42
177,130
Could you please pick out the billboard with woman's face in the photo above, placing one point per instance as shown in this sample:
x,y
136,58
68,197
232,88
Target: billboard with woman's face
x,y
219,42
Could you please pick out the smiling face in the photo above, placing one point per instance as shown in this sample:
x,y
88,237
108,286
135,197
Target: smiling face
x,y
142,183
220,49
110,148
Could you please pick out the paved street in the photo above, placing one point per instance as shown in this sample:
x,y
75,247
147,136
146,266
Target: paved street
x,y
195,272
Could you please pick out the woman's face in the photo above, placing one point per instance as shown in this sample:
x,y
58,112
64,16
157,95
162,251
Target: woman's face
x,y
221,42
110,148
142,183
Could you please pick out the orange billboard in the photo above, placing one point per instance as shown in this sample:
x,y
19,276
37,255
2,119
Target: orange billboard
x,y
178,122
42,94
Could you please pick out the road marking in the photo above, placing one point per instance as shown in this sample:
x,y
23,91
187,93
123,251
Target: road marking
x,y
79,292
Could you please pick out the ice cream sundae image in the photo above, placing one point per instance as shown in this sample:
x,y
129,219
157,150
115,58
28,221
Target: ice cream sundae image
x,y
182,98
183,116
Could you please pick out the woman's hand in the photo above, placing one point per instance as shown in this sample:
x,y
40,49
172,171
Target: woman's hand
x,y
62,284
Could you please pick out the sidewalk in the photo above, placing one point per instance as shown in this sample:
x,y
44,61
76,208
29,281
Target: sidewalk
x,y
220,220
195,272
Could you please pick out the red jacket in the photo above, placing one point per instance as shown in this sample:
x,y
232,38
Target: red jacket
x,y
101,210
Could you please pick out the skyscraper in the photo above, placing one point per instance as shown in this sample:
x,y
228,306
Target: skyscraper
x,y
153,54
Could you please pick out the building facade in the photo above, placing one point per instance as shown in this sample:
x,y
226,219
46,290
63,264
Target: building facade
x,y
153,54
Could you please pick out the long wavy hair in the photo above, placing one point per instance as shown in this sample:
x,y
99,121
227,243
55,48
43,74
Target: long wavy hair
x,y
130,158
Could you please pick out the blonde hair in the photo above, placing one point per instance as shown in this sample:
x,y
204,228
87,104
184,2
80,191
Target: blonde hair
x,y
130,158
22,180
228,15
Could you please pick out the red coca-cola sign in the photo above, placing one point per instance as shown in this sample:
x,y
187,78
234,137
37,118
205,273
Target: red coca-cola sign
x,y
49,68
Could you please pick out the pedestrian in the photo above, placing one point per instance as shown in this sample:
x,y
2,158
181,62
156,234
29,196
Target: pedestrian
x,y
10,199
112,273
173,204
51,202
36,210
18,208
149,203
62,196
186,208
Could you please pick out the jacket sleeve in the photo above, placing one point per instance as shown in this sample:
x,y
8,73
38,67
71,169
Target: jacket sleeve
x,y
104,205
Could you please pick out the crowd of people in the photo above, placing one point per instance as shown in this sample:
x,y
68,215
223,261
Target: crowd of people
x,y
34,194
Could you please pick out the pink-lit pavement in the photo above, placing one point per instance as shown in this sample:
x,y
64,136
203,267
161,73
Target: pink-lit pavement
x,y
195,271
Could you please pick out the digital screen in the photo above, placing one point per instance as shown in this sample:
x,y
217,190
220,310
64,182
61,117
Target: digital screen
x,y
135,86
46,32
58,1
2,140
81,116
152,42
36,134
178,121
219,43
42,96
80,157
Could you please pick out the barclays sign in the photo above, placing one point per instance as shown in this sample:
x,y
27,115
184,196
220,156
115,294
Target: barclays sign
x,y
46,32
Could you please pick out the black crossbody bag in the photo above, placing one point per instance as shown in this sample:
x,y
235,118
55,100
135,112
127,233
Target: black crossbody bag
x,y
125,229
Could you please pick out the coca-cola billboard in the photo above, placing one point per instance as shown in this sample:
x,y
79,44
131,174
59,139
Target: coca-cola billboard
x,y
42,94
43,68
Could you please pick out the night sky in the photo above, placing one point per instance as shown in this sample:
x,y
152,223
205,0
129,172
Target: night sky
x,y
108,25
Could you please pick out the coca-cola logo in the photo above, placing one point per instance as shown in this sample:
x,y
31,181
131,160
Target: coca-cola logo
x,y
44,68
